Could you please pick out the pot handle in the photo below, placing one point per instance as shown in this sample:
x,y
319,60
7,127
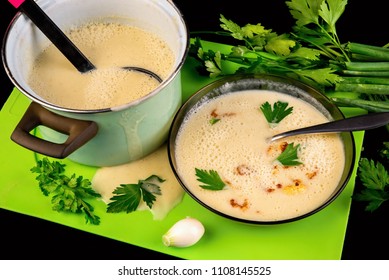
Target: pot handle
x,y
79,132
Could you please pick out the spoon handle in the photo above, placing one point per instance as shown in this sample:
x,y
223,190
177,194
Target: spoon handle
x,y
363,122
56,36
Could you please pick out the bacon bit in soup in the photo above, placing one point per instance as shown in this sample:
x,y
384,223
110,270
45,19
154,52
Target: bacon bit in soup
x,y
270,189
214,114
311,175
242,170
295,187
243,206
283,146
275,169
215,117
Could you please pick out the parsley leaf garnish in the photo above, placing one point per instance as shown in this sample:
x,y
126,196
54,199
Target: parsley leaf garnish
x,y
69,194
210,178
375,178
213,121
128,196
276,114
289,156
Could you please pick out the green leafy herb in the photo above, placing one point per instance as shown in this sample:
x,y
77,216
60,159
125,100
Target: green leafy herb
x,y
276,114
213,121
312,52
265,51
210,178
316,23
289,156
68,194
375,178
128,196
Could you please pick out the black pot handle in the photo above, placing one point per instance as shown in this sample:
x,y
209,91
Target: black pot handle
x,y
79,132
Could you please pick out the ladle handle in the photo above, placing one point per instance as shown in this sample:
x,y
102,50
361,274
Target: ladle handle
x,y
55,35
363,122
79,132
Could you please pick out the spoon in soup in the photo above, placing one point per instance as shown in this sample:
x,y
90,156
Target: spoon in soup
x,y
363,122
61,41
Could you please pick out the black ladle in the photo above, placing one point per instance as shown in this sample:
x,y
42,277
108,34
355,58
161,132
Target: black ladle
x,y
363,122
61,41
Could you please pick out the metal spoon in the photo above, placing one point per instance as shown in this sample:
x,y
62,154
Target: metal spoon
x,y
357,123
61,41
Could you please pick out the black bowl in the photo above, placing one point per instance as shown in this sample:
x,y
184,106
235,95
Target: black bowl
x,y
264,82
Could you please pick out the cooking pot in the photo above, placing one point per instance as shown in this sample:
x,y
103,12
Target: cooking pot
x,y
96,137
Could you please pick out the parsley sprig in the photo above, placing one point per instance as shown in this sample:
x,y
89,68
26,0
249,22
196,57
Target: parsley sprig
x,y
210,178
289,156
276,114
321,18
68,194
375,178
128,196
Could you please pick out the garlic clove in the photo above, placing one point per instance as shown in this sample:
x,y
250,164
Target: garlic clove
x,y
184,233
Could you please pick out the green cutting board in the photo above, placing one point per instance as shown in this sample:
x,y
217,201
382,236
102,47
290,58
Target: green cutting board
x,y
320,236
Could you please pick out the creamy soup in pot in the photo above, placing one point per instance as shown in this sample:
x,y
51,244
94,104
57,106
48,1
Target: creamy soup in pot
x,y
229,135
109,46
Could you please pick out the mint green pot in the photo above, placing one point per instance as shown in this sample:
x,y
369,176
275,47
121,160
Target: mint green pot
x,y
109,136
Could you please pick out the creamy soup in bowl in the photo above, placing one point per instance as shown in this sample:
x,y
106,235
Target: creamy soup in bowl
x,y
220,151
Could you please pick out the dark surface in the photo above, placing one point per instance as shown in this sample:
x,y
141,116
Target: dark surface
x,y
367,235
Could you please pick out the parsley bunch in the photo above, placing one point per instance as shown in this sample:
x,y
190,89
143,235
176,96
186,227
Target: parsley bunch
x,y
264,51
68,194
351,74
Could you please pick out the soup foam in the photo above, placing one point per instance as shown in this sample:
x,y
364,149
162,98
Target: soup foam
x,y
258,187
109,46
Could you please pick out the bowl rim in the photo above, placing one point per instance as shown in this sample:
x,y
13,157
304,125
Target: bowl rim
x,y
196,97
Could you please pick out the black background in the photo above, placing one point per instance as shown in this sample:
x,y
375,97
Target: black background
x,y
367,237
